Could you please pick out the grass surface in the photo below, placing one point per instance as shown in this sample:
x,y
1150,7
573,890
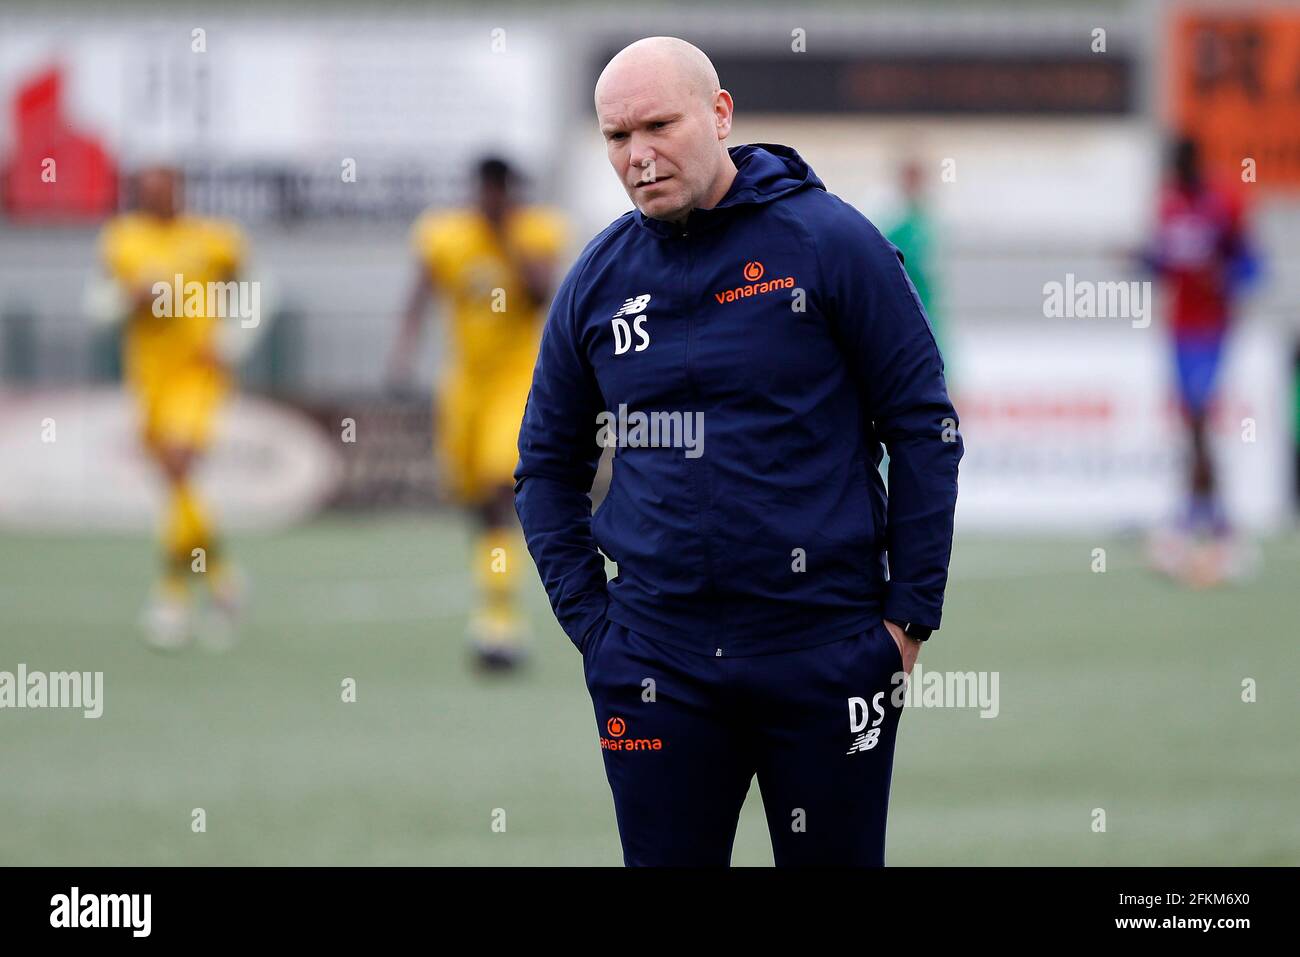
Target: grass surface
x,y
1117,691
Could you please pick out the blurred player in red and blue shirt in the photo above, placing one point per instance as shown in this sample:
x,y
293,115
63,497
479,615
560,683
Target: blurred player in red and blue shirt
x,y
1201,254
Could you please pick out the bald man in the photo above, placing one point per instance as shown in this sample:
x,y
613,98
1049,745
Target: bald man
x,y
746,342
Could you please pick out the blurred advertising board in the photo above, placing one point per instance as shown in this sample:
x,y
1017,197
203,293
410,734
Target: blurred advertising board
x,y
1234,86
1076,428
71,460
271,120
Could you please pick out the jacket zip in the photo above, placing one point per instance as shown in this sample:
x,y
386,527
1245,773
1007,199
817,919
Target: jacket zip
x,y
698,479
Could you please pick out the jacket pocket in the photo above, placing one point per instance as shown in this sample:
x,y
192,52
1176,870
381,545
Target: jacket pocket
x,y
597,631
591,646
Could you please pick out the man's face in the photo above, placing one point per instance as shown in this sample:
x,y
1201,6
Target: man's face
x,y
157,191
662,141
911,180
493,200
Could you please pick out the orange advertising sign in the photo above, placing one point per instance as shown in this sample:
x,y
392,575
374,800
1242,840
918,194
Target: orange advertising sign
x,y
1235,88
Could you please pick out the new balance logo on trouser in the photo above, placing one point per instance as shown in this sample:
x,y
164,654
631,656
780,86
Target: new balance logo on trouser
x,y
683,734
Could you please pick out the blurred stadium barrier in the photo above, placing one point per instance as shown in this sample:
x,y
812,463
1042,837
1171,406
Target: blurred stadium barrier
x,y
324,132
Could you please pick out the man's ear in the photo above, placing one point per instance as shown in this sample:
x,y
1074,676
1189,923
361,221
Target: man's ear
x,y
723,109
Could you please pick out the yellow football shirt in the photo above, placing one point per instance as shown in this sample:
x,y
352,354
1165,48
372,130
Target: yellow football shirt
x,y
491,324
139,251
167,356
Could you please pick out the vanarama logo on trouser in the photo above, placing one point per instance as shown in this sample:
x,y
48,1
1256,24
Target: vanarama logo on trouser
x,y
617,728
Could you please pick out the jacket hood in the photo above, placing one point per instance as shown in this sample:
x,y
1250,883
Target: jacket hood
x,y
765,173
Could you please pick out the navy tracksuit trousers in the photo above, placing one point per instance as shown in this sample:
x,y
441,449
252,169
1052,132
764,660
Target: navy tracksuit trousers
x,y
683,734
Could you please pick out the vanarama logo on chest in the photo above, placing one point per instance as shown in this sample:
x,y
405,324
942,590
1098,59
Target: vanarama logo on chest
x,y
756,285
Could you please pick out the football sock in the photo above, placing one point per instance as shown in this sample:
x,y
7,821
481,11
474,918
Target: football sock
x,y
497,553
186,529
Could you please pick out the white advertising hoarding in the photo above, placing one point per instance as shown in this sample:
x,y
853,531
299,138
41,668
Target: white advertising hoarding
x,y
1073,426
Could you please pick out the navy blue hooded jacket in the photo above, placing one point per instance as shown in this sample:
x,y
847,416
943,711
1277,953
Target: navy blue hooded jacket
x,y
783,323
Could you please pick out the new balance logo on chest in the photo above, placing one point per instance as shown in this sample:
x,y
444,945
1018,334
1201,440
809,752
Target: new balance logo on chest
x,y
623,330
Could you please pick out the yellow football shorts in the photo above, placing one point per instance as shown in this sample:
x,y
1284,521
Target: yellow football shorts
x,y
179,409
477,421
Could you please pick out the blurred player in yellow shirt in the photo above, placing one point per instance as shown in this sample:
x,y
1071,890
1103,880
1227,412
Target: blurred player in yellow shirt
x,y
175,364
495,265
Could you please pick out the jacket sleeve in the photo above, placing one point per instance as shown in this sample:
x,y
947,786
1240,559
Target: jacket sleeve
x,y
892,355
558,457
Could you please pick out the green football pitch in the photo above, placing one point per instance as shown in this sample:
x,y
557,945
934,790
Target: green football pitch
x,y
1117,691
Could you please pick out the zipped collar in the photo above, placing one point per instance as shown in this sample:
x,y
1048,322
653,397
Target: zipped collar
x,y
765,173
